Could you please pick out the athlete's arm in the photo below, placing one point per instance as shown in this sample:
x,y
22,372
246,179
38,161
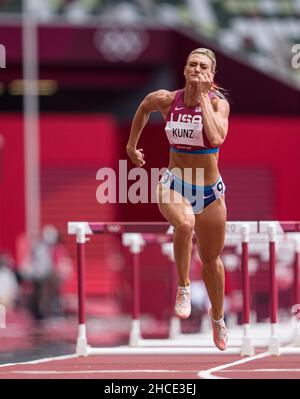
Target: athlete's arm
x,y
155,101
215,119
215,113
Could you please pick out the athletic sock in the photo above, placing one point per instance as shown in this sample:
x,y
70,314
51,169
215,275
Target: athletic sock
x,y
187,288
217,321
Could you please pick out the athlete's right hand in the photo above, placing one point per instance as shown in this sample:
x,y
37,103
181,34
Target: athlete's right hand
x,y
136,156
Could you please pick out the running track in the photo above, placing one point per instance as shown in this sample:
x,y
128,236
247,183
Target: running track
x,y
260,366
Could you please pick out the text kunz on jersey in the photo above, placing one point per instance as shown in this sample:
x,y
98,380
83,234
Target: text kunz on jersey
x,y
188,133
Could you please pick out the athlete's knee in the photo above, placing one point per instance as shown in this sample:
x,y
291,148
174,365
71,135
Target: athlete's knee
x,y
211,263
185,227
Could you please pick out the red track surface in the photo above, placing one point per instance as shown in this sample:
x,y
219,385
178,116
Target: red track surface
x,y
154,367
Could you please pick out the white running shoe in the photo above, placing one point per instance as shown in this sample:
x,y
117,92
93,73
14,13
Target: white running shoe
x,y
219,332
183,302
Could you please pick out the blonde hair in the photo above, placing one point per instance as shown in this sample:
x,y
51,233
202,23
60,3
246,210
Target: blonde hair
x,y
211,55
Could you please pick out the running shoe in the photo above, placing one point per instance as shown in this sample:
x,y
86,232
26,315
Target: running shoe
x,y
183,302
219,332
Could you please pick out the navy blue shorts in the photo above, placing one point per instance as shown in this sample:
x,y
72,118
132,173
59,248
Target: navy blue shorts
x,y
198,196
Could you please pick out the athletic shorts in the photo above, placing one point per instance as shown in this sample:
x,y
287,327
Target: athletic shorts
x,y
198,196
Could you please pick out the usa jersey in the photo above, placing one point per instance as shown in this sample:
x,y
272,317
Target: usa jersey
x,y
184,127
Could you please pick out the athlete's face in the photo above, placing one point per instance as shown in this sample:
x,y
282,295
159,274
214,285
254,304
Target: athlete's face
x,y
198,64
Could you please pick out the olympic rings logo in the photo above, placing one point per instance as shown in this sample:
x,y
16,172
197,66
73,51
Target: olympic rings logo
x,y
121,44
114,228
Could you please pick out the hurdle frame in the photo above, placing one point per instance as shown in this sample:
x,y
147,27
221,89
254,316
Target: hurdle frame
x,y
135,235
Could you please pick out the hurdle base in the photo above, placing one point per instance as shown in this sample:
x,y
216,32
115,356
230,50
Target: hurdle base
x,y
81,345
82,348
274,347
175,327
247,348
290,350
135,333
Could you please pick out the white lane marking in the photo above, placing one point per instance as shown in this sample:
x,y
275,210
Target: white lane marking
x,y
207,374
94,371
262,371
37,361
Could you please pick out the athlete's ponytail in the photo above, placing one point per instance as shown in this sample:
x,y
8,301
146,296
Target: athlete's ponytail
x,y
220,91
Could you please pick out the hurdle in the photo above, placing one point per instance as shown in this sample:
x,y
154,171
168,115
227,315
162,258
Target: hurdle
x,y
136,234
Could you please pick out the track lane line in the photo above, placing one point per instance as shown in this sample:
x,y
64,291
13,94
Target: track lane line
x,y
207,374
43,360
48,372
262,371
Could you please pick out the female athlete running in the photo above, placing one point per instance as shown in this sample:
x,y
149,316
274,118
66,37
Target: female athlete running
x,y
191,192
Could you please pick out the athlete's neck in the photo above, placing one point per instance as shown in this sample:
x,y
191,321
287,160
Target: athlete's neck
x,y
191,96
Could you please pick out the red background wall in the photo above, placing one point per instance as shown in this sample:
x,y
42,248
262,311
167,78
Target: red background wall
x,y
12,208
273,142
69,144
95,141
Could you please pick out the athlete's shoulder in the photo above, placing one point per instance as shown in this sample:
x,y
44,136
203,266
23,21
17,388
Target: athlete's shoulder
x,y
159,99
163,95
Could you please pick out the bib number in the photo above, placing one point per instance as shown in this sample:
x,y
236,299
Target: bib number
x,y
220,187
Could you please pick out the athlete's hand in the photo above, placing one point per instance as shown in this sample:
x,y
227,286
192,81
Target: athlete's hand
x,y
203,83
206,82
136,156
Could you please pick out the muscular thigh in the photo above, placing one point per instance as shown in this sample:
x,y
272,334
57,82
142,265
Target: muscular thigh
x,y
174,207
210,228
